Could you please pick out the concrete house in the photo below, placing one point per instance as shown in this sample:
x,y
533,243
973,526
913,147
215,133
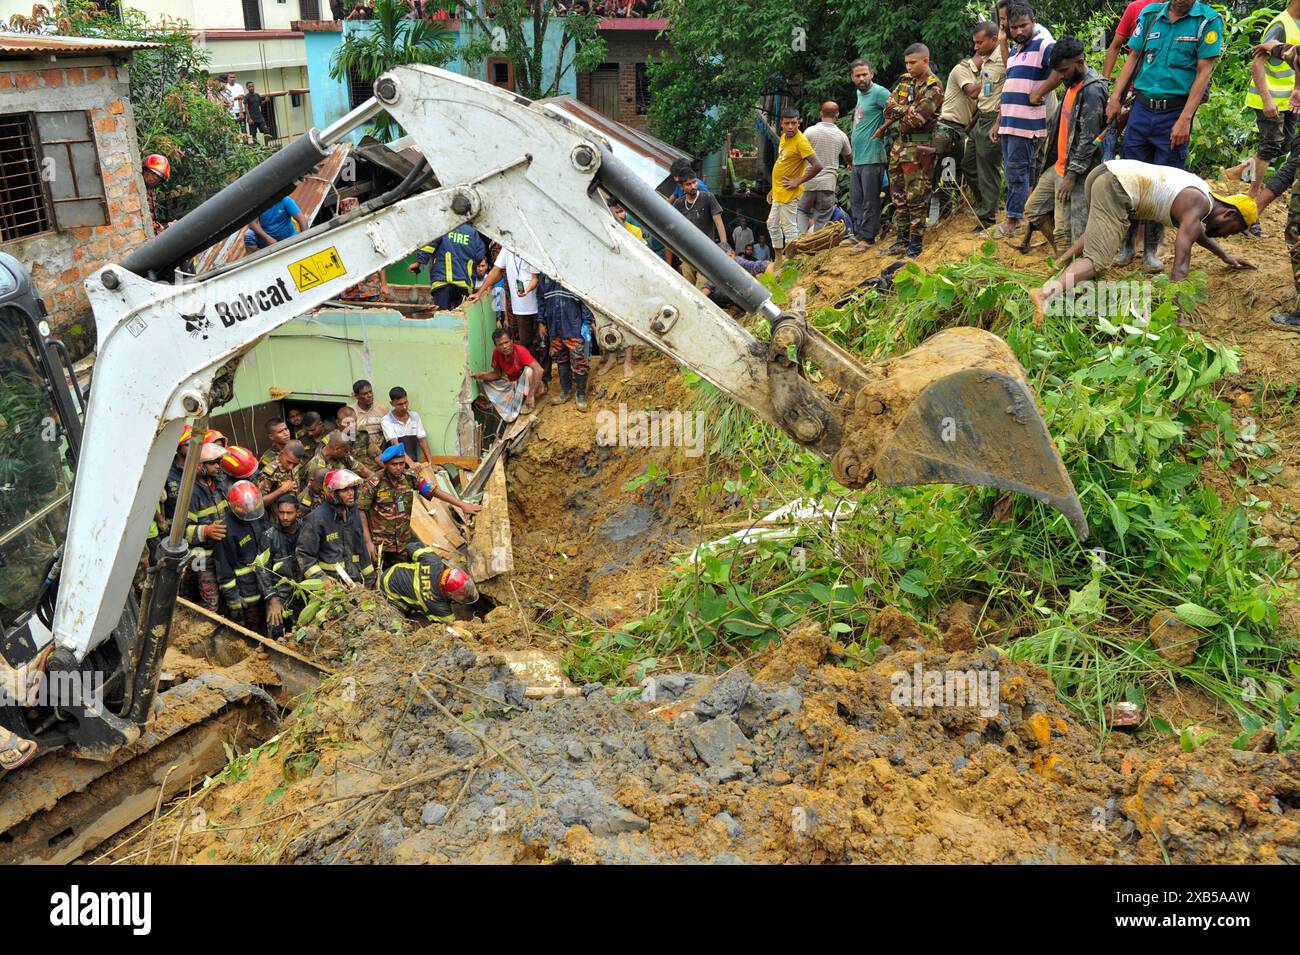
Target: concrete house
x,y
71,195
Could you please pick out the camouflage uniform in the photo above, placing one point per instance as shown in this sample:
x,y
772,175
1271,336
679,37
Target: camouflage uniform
x,y
350,462
387,506
275,474
270,457
916,107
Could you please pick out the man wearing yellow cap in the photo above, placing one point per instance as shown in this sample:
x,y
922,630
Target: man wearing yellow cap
x,y
1122,190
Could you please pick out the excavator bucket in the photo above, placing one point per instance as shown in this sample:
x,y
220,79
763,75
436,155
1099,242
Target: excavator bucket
x,y
955,410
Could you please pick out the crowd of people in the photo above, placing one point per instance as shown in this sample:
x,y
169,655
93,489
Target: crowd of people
x,y
1095,166
327,498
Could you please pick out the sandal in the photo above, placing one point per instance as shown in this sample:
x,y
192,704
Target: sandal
x,y
15,751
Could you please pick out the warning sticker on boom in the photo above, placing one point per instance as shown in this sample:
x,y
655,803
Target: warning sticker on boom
x,y
312,271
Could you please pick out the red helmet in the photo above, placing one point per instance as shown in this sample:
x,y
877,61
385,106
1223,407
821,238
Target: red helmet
x,y
457,585
245,501
213,436
239,462
186,432
340,480
158,164
211,452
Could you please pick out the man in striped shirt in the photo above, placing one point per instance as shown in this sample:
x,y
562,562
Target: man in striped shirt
x,y
1021,124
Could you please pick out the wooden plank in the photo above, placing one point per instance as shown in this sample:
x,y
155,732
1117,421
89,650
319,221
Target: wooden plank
x,y
462,461
429,530
490,551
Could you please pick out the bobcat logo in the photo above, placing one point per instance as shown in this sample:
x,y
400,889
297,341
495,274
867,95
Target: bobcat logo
x,y
197,324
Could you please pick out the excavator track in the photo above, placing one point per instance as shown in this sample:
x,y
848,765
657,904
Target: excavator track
x,y
60,807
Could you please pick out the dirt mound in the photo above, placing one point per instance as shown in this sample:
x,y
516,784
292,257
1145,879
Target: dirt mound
x,y
427,751
583,542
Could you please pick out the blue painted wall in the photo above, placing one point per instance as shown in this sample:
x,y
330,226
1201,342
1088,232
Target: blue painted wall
x,y
330,99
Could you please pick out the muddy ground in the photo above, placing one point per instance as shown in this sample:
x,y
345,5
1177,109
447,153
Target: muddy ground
x,y
428,749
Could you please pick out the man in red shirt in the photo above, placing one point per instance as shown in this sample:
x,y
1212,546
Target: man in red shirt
x,y
515,379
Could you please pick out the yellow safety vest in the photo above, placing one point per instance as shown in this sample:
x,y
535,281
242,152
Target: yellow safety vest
x,y
1278,73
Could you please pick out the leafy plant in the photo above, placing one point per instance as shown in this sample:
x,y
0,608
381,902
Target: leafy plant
x,y
372,47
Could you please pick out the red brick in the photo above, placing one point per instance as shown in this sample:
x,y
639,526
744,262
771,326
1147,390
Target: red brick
x,y
25,79
6,81
116,107
106,124
52,77
69,275
82,233
94,73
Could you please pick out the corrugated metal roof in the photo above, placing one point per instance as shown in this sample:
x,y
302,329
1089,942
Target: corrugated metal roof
x,y
649,158
49,43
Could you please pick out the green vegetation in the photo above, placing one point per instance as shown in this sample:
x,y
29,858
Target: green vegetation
x,y
386,41
1135,403
177,113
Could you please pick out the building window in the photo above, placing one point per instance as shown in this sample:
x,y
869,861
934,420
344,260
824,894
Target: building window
x,y
358,89
252,14
49,174
501,73
642,90
23,207
309,9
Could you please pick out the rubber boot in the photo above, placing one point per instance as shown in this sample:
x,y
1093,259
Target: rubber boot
x,y
580,384
566,382
899,247
1151,260
913,246
1126,250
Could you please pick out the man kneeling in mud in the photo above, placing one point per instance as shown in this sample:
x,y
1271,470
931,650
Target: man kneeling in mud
x,y
1125,189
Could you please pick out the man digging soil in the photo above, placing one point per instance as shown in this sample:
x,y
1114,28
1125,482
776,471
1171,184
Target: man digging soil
x,y
1122,190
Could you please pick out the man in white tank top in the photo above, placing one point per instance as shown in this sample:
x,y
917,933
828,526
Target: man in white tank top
x,y
1123,190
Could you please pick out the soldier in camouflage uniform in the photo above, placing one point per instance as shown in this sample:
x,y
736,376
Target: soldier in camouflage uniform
x,y
335,452
385,506
913,107
277,433
1275,187
283,475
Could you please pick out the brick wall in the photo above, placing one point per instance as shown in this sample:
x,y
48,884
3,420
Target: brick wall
x,y
627,48
60,261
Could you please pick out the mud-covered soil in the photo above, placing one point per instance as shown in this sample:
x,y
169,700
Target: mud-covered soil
x,y
426,748
429,752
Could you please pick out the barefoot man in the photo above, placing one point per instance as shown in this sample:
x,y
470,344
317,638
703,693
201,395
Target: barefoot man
x,y
1125,189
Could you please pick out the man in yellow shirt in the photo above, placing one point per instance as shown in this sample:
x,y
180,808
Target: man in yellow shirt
x,y
796,163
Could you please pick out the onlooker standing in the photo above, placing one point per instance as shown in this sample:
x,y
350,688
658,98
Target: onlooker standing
x,y
742,235
951,149
796,163
521,282
568,326
868,154
914,105
1174,49
1270,98
762,250
403,426
1021,124
255,105
1057,207
1124,30
235,97
705,213
992,68
817,201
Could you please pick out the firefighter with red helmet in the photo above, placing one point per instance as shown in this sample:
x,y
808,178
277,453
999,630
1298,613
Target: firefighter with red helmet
x,y
424,587
157,170
205,523
236,555
332,541
240,463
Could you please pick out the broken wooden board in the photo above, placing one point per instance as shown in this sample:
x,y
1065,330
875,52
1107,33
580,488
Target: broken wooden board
x,y
430,522
490,551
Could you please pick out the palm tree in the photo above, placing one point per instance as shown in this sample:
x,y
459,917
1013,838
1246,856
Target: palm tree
x,y
391,40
